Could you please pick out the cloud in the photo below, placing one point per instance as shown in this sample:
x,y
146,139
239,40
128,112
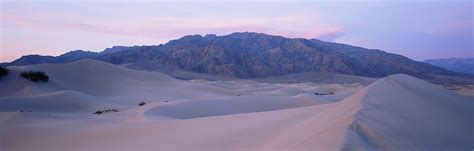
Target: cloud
x,y
458,27
175,27
330,35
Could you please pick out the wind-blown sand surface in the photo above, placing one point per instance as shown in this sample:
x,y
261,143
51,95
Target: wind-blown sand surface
x,y
398,112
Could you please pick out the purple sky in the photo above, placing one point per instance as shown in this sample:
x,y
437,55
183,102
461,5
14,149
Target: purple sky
x,y
418,30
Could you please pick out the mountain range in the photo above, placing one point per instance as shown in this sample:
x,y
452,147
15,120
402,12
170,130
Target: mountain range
x,y
465,65
258,55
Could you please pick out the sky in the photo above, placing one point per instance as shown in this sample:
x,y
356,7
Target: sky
x,y
420,29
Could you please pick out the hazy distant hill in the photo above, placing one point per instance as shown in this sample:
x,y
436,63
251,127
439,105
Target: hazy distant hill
x,y
465,65
257,55
64,58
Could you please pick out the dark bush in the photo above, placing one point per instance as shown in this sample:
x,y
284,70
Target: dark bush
x,y
35,76
3,72
141,104
105,111
330,93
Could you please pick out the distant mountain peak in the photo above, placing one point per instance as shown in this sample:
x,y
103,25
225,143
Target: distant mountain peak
x,y
210,36
252,34
114,49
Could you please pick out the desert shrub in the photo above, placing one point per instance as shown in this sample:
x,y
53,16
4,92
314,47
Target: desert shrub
x,y
141,104
105,111
330,93
3,72
35,76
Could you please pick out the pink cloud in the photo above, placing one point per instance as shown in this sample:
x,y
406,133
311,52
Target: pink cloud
x,y
169,27
453,27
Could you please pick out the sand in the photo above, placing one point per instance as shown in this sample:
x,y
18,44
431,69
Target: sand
x,y
398,112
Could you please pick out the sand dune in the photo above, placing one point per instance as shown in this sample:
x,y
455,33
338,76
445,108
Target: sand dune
x,y
405,113
398,112
319,77
59,101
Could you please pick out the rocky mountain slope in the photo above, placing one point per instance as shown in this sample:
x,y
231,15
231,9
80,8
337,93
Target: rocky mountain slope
x,y
257,55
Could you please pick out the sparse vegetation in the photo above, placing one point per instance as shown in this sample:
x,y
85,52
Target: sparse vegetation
x,y
35,76
330,93
3,72
106,111
141,103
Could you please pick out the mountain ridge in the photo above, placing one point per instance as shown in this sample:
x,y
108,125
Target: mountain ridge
x,y
256,55
464,65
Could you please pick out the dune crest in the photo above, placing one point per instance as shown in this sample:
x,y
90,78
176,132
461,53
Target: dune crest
x,y
405,113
